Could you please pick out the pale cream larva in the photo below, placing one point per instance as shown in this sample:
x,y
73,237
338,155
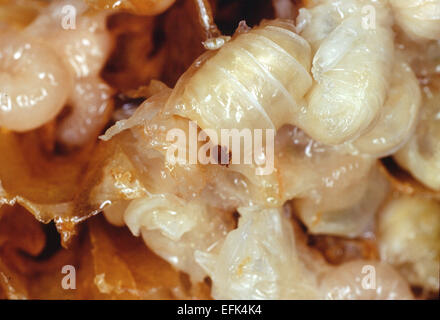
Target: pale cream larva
x,y
91,101
252,266
257,80
276,266
175,229
364,280
347,211
409,239
421,155
34,84
83,43
351,68
398,117
419,19
80,38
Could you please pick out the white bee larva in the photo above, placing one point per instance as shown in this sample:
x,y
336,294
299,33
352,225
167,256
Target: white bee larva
x,y
420,19
409,239
398,117
83,43
421,155
346,211
252,266
351,68
34,84
309,169
257,80
91,105
364,280
175,229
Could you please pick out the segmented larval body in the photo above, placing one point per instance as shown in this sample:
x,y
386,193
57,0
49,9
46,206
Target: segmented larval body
x,y
81,39
304,168
347,211
307,168
421,155
178,208
276,266
34,83
176,223
175,229
257,80
252,266
336,193
149,148
56,61
351,68
91,109
398,117
419,19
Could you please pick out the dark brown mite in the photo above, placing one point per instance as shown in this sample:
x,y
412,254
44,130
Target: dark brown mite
x,y
222,156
